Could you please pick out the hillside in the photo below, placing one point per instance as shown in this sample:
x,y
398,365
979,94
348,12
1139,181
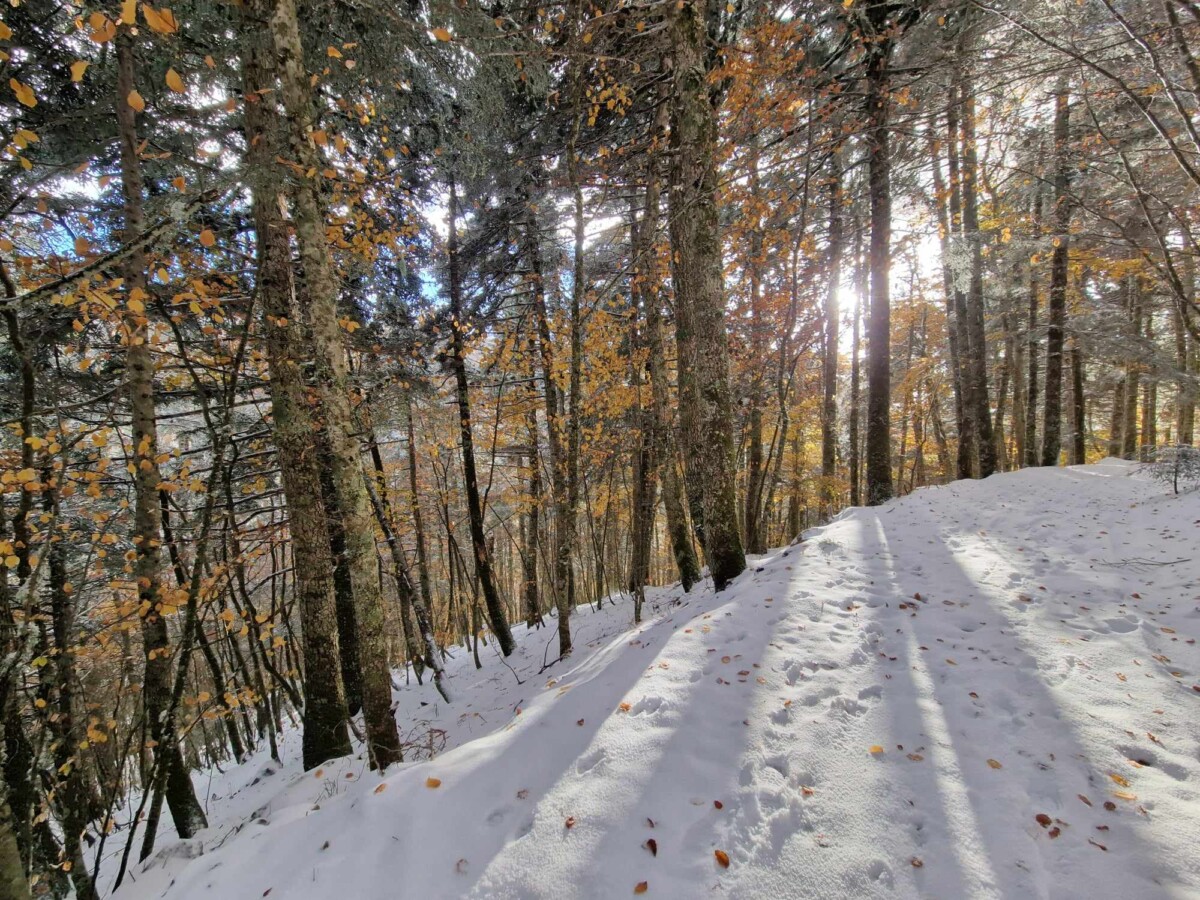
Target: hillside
x,y
988,689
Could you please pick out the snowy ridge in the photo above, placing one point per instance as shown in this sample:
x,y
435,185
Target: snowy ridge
x,y
934,698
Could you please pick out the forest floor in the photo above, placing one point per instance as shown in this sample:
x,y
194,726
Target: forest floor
x,y
987,689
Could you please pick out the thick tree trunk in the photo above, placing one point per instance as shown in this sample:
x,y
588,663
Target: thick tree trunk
x,y
172,775
325,713
13,883
968,434
977,374
879,377
334,392
1057,314
705,401
343,584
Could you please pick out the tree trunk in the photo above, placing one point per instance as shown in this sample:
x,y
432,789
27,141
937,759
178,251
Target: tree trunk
x,y
1079,425
705,402
976,332
1031,457
325,714
1052,425
458,361
855,413
334,392
879,378
173,776
829,360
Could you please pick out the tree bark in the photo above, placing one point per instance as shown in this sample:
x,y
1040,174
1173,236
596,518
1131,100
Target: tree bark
x,y
458,361
705,402
173,776
334,392
325,714
879,378
977,374
829,360
1057,312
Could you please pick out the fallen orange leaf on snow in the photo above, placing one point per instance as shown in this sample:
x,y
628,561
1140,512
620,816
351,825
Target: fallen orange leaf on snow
x,y
433,782
722,858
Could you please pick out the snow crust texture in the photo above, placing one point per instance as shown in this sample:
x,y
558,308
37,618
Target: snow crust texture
x,y
989,689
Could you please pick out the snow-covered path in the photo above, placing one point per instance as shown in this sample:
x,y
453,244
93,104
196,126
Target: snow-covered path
x,y
981,690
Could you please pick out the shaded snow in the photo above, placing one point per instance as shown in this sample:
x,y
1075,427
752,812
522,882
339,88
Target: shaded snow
x,y
1014,648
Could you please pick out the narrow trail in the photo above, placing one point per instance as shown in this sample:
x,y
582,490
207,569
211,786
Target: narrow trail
x,y
981,690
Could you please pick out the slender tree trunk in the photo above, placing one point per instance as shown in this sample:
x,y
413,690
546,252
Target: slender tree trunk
x,y
414,502
752,517
1079,424
531,524
941,194
1052,425
680,535
1149,402
1117,421
855,413
458,360
176,783
1031,457
334,392
705,401
829,361
645,460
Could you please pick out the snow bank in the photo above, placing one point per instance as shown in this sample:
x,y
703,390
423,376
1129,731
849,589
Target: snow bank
x,y
987,689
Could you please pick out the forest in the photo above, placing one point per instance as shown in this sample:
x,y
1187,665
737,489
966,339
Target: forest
x,y
346,341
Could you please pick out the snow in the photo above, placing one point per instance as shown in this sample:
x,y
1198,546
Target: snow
x,y
883,710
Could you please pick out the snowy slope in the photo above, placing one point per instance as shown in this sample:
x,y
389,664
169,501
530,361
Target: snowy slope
x,y
885,710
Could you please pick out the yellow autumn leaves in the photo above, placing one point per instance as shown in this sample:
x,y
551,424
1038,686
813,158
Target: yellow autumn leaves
x,y
102,29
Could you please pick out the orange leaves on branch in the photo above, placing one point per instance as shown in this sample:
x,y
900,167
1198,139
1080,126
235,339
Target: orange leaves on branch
x,y
442,34
162,20
175,81
103,28
207,238
23,92
135,100
78,68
